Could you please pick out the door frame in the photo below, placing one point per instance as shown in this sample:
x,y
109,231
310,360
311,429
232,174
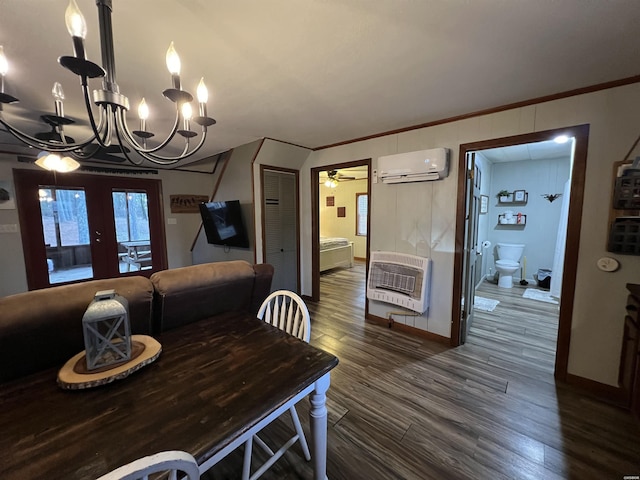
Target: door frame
x,y
296,173
26,180
315,222
581,135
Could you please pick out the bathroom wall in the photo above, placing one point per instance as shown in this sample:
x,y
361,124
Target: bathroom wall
x,y
537,177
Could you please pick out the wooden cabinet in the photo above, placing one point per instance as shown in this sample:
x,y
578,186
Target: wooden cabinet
x,y
629,375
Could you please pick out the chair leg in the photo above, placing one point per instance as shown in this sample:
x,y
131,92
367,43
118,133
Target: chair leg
x,y
246,463
300,432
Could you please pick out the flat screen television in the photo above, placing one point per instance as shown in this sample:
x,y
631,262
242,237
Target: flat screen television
x,y
223,223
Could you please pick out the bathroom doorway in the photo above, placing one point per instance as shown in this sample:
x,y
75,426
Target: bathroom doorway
x,y
524,214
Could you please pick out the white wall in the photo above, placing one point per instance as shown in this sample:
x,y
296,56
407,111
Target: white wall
x,y
420,218
13,278
333,226
236,184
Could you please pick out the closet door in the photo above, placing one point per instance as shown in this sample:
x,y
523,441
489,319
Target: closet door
x,y
280,227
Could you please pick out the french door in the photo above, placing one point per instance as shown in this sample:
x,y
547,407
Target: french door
x,y
79,227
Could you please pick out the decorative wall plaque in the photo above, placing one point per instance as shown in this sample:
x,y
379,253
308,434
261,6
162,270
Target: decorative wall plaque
x,y
186,203
342,211
331,201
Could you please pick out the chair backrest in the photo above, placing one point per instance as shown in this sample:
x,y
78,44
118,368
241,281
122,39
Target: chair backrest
x,y
287,311
172,462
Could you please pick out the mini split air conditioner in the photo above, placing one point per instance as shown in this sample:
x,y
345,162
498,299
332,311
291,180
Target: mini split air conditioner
x,y
419,166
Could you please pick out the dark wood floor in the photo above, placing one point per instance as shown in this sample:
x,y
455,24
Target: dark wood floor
x,y
401,407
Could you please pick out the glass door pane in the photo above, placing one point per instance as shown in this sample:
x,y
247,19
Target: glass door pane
x,y
131,212
66,233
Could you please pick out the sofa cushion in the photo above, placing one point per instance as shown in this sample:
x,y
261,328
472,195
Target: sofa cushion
x,y
185,295
43,328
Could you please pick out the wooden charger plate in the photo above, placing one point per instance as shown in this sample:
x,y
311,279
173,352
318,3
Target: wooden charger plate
x,y
75,376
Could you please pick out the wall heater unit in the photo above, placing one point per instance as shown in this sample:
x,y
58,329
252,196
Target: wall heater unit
x,y
400,279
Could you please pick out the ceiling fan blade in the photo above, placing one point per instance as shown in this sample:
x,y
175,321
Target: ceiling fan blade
x,y
109,154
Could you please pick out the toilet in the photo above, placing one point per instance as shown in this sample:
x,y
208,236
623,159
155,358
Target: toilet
x,y
509,255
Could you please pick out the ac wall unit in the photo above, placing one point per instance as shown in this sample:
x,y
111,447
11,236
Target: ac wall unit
x,y
400,279
420,166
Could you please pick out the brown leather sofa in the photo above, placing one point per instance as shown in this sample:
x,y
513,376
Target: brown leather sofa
x,y
42,329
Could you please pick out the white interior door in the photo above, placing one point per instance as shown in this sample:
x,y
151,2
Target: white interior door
x,y
471,250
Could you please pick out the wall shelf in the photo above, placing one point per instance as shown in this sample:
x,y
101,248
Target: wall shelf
x,y
624,212
502,222
517,197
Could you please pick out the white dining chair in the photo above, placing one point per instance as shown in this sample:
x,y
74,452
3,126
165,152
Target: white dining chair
x,y
178,464
287,311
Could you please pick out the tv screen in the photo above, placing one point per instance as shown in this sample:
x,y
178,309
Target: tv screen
x,y
223,223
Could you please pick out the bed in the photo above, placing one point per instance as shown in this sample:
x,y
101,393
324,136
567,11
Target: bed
x,y
335,252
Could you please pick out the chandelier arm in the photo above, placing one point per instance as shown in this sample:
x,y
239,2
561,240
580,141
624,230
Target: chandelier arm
x,y
43,145
124,127
102,141
143,155
185,152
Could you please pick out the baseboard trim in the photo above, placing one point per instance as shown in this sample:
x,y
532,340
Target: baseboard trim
x,y
418,332
360,259
602,391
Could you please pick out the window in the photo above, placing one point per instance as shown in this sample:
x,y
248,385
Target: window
x,y
362,208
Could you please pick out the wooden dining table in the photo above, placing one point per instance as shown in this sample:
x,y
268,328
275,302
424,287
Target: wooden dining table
x,y
215,384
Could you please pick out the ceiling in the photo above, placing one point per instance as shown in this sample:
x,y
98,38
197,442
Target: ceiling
x,y
319,72
529,151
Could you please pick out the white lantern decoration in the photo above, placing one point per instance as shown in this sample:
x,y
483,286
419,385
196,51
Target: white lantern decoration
x,y
106,330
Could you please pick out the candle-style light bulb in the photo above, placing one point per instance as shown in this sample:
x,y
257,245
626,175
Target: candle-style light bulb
x,y
77,28
4,64
186,111
203,96
76,25
143,110
186,114
4,68
173,60
58,97
173,65
202,92
57,91
143,114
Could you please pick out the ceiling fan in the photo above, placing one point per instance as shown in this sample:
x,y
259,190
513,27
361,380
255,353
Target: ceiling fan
x,y
333,177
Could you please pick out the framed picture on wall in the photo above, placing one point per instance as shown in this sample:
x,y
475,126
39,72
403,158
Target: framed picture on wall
x,y
484,204
519,196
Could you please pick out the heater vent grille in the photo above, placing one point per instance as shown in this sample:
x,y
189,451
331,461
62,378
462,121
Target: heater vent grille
x,y
399,279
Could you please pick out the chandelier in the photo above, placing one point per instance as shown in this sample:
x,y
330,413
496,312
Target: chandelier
x,y
110,130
